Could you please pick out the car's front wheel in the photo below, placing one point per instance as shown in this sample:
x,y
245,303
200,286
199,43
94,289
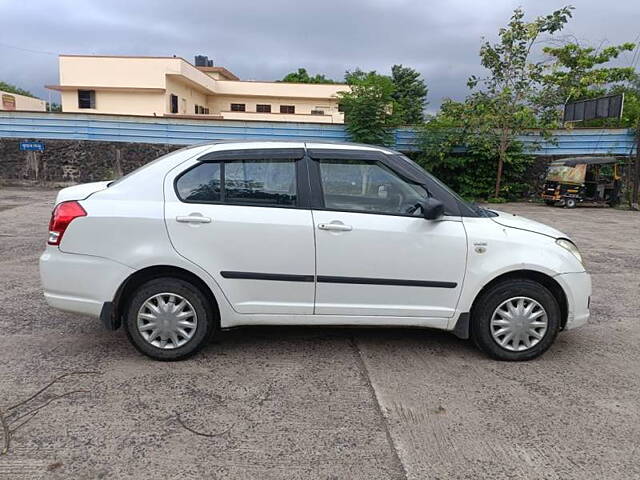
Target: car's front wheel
x,y
516,319
169,319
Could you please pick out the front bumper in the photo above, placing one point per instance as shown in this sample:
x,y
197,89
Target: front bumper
x,y
577,287
80,283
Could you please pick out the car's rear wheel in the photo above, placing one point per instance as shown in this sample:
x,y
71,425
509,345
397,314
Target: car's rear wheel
x,y
515,320
169,319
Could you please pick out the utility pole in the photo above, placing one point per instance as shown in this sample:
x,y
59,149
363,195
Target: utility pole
x,y
636,171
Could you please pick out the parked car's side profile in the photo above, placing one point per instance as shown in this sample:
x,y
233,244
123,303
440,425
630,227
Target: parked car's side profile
x,y
280,233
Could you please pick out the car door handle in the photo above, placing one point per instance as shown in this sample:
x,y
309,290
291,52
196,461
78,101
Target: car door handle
x,y
193,219
335,227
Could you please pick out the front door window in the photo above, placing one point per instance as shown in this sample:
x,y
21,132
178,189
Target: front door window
x,y
363,186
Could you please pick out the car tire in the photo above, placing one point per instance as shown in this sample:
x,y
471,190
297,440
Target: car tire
x,y
570,203
184,319
490,312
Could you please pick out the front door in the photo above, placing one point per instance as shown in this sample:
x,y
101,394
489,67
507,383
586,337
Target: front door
x,y
240,217
375,254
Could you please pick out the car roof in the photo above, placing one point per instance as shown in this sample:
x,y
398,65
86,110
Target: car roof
x,y
573,161
253,144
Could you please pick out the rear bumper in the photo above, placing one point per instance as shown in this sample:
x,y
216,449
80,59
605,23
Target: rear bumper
x,y
577,287
80,283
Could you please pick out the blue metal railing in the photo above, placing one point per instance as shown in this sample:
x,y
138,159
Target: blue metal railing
x,y
120,128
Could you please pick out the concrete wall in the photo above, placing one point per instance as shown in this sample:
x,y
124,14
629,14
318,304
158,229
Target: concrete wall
x,y
12,101
118,72
188,96
74,161
70,161
118,102
302,91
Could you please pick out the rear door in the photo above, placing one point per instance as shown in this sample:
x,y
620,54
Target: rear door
x,y
244,218
375,254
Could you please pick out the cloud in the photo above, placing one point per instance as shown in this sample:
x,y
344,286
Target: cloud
x,y
265,40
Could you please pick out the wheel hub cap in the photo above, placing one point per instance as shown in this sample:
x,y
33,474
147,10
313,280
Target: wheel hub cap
x,y
167,320
519,324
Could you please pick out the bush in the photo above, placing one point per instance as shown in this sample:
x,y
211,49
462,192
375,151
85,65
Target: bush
x,y
470,169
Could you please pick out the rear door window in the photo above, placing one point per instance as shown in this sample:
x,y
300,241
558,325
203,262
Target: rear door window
x,y
258,182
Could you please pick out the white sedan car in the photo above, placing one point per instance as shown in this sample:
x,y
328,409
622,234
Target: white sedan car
x,y
277,233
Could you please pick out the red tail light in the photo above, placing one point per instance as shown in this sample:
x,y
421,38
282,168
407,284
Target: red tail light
x,y
61,217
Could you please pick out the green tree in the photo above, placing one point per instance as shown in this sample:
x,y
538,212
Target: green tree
x,y
506,101
369,107
631,119
302,76
54,107
576,72
410,94
7,87
468,140
631,110
460,147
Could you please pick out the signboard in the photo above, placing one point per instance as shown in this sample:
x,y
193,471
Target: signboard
x,y
8,102
602,107
32,146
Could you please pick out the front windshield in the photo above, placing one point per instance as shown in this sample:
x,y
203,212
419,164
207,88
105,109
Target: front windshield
x,y
566,174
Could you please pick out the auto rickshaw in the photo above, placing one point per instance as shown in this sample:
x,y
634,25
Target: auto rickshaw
x,y
583,180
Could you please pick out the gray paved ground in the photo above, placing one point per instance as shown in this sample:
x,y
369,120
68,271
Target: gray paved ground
x,y
325,403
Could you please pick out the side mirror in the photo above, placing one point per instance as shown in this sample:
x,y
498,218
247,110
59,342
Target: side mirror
x,y
432,209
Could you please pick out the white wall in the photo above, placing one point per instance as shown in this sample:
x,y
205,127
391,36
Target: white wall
x,y
21,102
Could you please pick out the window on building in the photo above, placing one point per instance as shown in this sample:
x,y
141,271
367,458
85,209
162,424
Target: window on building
x,y
287,109
263,108
173,103
206,111
196,109
317,112
86,99
238,107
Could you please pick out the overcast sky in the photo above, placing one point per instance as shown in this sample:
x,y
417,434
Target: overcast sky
x,y
265,39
